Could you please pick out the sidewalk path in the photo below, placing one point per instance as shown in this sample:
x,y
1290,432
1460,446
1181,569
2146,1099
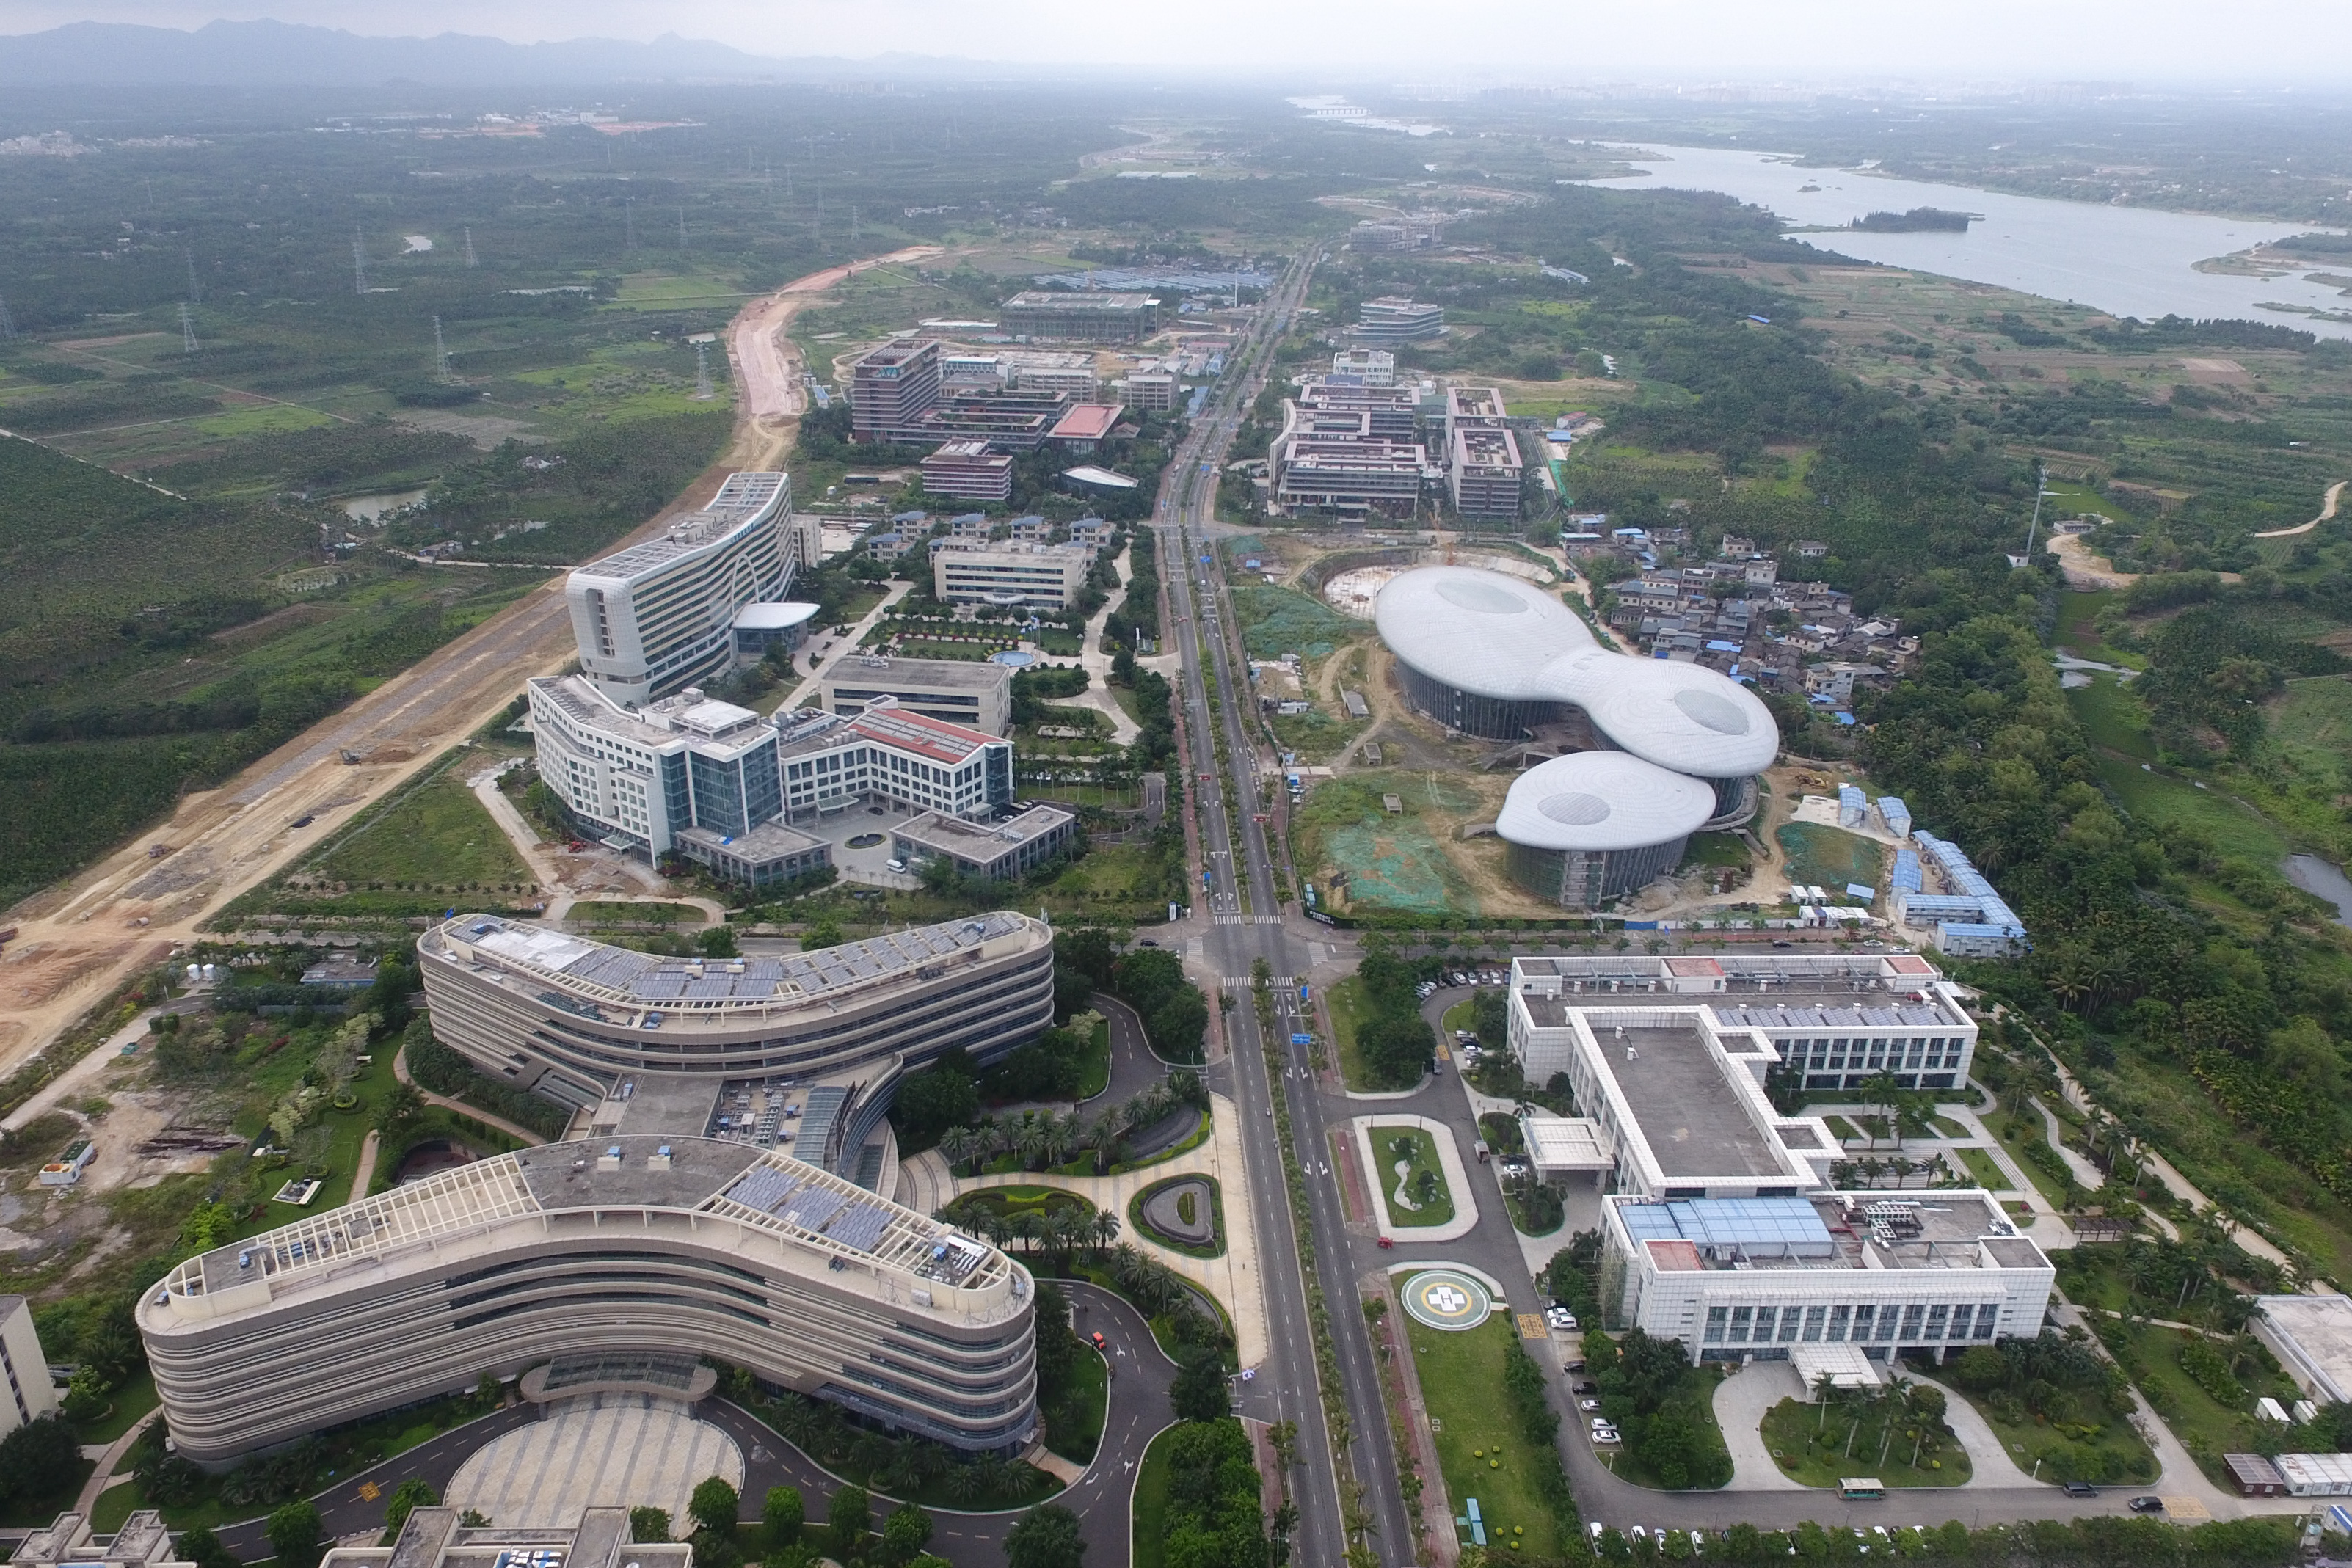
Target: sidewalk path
x,y
2087,1176
101,1056
400,1070
1741,1402
806,692
1991,1464
1233,1279
113,1456
369,1147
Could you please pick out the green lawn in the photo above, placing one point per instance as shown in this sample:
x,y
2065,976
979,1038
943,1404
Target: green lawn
x,y
1982,1167
133,1400
1423,1180
1186,1204
1817,1447
1094,1074
1152,1503
2206,1427
1480,1448
1841,1128
1349,1009
2110,1451
2031,1133
1460,1016
620,911
1074,1423
436,834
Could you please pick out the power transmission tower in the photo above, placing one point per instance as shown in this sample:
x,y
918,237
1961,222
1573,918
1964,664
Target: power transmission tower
x,y
470,249
187,332
359,264
440,354
196,295
853,226
629,216
702,372
8,322
681,228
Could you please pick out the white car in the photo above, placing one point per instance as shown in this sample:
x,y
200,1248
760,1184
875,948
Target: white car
x,y
894,865
1698,1542
1604,1436
1594,1528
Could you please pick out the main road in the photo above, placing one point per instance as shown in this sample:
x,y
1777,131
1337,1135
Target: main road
x,y
1356,1489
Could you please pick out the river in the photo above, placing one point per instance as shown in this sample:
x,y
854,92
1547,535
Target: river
x,y
2127,261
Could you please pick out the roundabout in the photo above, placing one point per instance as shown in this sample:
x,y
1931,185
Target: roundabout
x,y
1446,1299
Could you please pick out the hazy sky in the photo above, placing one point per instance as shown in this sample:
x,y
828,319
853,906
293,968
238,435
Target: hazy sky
x,y
2149,40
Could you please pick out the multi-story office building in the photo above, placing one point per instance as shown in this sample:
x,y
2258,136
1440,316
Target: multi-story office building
x,y
25,1367
681,1247
994,851
1154,391
142,1541
893,754
1389,412
976,694
892,387
1009,421
586,1025
1361,474
1838,1282
640,777
1372,367
968,471
436,1537
1483,472
1398,321
1044,577
1081,316
1837,1019
660,615
1073,374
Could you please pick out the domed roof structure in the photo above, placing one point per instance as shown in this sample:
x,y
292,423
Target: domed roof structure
x,y
1596,801
1492,635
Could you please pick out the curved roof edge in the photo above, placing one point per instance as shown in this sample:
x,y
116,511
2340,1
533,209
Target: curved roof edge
x,y
1602,800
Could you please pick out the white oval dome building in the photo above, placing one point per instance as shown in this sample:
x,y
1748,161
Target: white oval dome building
x,y
1585,827
1492,655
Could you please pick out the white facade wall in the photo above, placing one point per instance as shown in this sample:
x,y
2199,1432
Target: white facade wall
x,y
660,615
24,1366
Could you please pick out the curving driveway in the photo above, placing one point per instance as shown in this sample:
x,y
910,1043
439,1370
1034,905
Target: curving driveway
x,y
1101,1496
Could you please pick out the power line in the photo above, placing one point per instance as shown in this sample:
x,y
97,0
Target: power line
x,y
440,354
702,372
8,322
359,264
187,332
470,260
196,295
681,228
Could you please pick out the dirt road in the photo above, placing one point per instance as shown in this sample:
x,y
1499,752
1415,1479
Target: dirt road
x,y
768,395
79,939
2326,515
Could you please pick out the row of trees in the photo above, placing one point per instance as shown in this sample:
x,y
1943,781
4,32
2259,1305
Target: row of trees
x,y
1044,1139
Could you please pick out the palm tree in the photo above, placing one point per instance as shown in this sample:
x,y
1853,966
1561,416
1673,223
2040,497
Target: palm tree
x,y
1104,1136
965,1482
1105,1228
1029,1139
1025,1227
1061,1133
958,1146
1897,1400
801,1422
1825,1387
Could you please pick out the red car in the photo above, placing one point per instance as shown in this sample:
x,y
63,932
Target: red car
x,y
1101,1343
1387,1242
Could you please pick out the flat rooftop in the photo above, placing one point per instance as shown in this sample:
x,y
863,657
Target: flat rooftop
x,y
1964,1229
2317,1330
981,840
919,674
1692,1118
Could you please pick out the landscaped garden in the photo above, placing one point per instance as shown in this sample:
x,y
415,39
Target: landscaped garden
x,y
2063,1411
1185,1214
1893,1431
1665,1409
1411,1180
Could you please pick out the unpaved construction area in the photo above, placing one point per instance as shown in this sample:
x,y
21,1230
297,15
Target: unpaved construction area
x,y
77,941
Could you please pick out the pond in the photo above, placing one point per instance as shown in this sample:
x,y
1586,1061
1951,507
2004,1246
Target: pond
x,y
374,508
2318,877
1014,658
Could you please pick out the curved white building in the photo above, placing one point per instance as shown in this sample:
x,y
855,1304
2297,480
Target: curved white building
x,y
659,616
1492,655
1585,827
607,1249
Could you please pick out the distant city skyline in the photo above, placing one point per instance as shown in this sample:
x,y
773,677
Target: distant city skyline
x,y
2269,42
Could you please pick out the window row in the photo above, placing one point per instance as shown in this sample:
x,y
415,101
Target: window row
x,y
1908,1322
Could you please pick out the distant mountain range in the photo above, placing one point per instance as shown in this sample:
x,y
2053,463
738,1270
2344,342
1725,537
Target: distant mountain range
x,y
275,54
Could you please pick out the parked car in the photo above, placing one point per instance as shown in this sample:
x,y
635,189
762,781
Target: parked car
x,y
1588,1405
1593,1527
1585,1385
1698,1542
2081,1489
894,865
2147,1505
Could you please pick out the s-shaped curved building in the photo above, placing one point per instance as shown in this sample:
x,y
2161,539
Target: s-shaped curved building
x,y
1491,655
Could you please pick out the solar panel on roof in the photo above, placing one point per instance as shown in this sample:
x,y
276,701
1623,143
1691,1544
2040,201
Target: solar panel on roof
x,y
814,1207
716,989
762,1187
658,987
859,1226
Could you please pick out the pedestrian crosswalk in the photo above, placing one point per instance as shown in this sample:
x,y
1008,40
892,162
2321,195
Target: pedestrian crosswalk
x,y
1249,919
1244,983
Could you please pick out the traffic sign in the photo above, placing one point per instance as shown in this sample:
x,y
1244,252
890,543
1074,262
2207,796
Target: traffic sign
x,y
1302,1040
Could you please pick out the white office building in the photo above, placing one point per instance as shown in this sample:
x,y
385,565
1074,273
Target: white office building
x,y
1044,577
638,779
660,616
1834,1281
26,1368
893,754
